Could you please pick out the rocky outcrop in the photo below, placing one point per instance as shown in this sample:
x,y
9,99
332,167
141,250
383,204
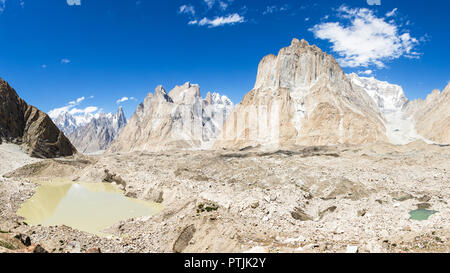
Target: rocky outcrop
x,y
432,116
302,97
180,119
33,129
99,133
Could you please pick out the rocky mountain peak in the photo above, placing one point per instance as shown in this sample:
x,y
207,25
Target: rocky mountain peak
x,y
185,94
302,96
184,120
208,98
24,124
160,93
447,89
298,66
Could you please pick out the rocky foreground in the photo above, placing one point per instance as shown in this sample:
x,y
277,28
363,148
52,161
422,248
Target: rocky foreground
x,y
303,199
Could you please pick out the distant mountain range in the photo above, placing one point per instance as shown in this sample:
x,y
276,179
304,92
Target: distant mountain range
x,y
91,133
301,97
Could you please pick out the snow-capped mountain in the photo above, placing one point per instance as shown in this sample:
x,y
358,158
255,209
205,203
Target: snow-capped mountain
x,y
99,133
91,133
68,123
390,98
400,121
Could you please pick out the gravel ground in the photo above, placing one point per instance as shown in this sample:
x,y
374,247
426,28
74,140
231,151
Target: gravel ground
x,y
305,199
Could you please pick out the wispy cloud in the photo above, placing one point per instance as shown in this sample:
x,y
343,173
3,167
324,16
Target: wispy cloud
x,y
2,5
367,39
366,72
87,110
374,2
222,4
74,2
209,3
274,9
65,61
124,99
391,13
77,101
187,9
219,21
72,108
216,8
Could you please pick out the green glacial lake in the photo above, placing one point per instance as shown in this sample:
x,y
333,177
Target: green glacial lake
x,y
421,214
86,207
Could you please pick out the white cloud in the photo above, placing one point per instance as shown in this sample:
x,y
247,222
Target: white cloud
x,y
87,110
273,9
219,21
366,72
44,66
209,3
187,9
270,9
367,40
223,5
78,101
65,61
72,109
391,13
374,2
124,99
3,4
74,2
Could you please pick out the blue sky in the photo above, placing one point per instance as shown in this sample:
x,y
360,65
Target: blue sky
x,y
57,52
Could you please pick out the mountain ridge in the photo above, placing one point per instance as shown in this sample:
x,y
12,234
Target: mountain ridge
x,y
180,119
29,127
91,133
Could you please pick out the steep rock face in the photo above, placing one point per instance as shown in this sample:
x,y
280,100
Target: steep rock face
x,y
99,133
302,97
389,98
24,124
392,102
66,123
180,119
432,116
